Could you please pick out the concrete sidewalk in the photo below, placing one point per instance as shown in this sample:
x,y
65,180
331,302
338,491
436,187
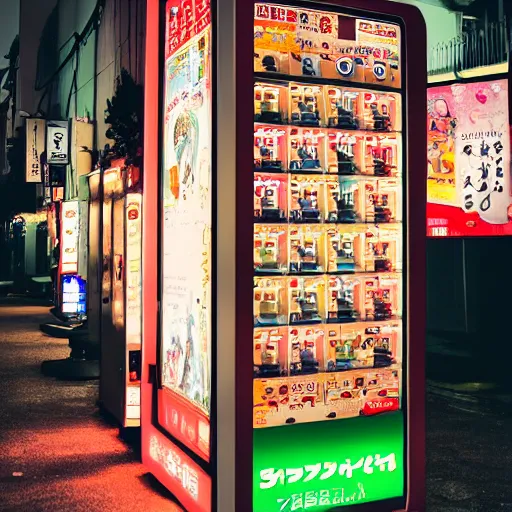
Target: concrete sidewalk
x,y
56,453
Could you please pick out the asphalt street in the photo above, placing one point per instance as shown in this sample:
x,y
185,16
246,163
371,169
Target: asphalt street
x,y
57,454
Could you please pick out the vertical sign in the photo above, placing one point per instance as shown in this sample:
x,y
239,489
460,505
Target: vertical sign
x,y
35,146
70,225
134,268
83,229
57,142
133,223
47,184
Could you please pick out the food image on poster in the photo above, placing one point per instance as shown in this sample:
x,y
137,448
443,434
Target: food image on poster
x,y
328,420
469,192
186,234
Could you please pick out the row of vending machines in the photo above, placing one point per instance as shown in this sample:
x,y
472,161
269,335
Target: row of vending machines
x,y
100,281
258,286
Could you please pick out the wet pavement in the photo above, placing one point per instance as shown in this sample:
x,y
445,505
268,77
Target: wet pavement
x,y
469,430
56,452
469,455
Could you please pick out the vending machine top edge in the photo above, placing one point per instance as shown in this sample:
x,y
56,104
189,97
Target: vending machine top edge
x,y
284,255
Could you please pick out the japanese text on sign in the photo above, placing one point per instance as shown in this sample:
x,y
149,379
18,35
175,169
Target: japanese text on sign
x,y
324,497
184,21
323,471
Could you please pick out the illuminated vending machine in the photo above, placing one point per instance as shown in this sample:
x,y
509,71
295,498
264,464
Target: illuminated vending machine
x,y
72,265
121,288
283,277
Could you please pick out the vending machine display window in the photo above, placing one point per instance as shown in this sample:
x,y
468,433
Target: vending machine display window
x,y
381,112
270,198
342,299
307,150
305,199
306,105
269,148
307,249
270,104
343,107
344,153
270,249
381,155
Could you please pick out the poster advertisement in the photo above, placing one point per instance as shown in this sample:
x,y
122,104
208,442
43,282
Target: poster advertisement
x,y
134,268
186,235
57,142
468,186
35,147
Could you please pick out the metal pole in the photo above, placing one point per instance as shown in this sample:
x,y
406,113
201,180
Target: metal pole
x,y
465,286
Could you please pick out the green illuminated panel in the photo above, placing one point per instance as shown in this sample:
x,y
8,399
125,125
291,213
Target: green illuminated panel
x,y
319,465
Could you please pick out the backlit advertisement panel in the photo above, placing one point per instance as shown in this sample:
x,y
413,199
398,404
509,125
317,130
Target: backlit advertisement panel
x,y
133,268
305,42
469,191
70,230
185,365
328,411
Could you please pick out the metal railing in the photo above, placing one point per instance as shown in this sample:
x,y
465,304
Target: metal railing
x,y
482,44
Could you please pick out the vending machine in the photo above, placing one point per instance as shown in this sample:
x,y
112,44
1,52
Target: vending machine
x,y
121,288
283,255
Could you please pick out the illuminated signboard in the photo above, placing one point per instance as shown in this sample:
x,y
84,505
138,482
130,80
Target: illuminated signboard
x,y
328,421
57,142
134,268
468,186
70,225
184,400
133,301
319,44
73,295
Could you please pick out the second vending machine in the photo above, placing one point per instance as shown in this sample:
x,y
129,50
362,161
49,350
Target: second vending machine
x,y
284,255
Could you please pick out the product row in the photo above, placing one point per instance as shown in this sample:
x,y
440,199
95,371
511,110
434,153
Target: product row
x,y
326,299
327,106
282,351
326,248
324,150
323,44
325,396
313,199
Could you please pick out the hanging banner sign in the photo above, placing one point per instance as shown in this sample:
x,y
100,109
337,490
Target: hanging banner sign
x,y
35,146
57,145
